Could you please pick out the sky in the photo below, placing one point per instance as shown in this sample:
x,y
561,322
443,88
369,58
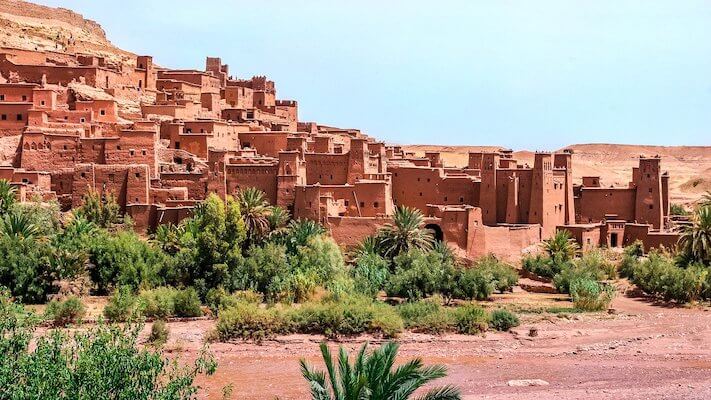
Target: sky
x,y
534,75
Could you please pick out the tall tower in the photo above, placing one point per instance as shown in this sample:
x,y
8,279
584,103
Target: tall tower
x,y
564,160
541,205
648,201
487,191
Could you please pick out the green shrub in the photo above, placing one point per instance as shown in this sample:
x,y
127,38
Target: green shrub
x,y
502,276
63,313
470,319
590,295
121,306
370,273
95,363
28,267
421,274
542,265
250,321
350,316
159,333
426,316
218,298
158,303
473,284
187,303
658,275
503,320
591,265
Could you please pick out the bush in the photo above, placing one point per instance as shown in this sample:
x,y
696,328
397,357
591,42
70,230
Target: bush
x,y
187,303
350,316
421,274
658,275
370,274
426,316
591,265
502,276
503,320
249,321
159,333
543,266
158,303
87,364
63,313
121,306
470,319
590,295
28,268
218,298
473,284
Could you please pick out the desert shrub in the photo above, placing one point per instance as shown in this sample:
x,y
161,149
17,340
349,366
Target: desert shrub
x,y
249,321
421,274
218,298
542,265
590,295
370,273
349,316
87,364
591,265
503,276
187,303
470,319
159,333
659,275
296,287
28,267
123,259
320,257
473,284
121,305
101,210
630,259
157,303
503,320
260,267
65,312
427,316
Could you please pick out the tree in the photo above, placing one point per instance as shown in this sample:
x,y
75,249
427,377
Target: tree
x,y
18,226
561,247
255,212
705,200
7,196
695,240
405,233
278,218
371,377
298,233
103,210
167,237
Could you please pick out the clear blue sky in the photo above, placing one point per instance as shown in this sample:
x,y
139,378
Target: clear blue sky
x,y
523,74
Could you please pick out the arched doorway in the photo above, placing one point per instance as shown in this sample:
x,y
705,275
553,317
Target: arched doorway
x,y
436,231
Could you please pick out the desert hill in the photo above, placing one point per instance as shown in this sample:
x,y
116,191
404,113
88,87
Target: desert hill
x,y
689,166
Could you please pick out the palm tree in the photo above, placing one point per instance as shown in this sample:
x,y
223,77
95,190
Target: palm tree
x,y
18,226
695,240
278,218
300,231
561,246
255,212
7,196
405,233
369,245
705,200
371,377
79,226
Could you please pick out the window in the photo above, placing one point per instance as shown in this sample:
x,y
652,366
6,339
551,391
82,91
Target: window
x,y
82,120
24,98
177,145
461,199
132,152
143,152
651,206
3,117
362,204
650,190
102,112
347,203
138,174
376,204
19,117
2,97
42,102
118,147
445,198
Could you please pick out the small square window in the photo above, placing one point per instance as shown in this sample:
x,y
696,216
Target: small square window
x,y
651,206
19,117
102,112
362,204
2,97
3,117
138,174
42,102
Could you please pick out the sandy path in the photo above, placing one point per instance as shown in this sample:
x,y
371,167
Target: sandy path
x,y
644,352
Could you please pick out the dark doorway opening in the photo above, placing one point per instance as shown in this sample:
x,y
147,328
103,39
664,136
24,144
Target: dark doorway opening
x,y
436,231
613,240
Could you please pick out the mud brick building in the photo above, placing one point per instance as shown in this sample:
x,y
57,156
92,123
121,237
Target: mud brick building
x,y
162,139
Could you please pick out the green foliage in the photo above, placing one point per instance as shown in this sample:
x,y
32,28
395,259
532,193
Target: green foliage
x,y
695,240
471,319
248,321
187,303
678,209
502,276
658,275
421,274
370,273
405,233
426,316
159,333
374,376
123,259
298,233
62,313
561,247
503,320
473,284
630,259
590,295
592,265
28,268
543,265
350,316
121,306
255,213
102,210
89,364
7,196
218,298
168,237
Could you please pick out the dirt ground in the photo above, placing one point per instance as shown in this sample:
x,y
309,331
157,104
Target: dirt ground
x,y
643,351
